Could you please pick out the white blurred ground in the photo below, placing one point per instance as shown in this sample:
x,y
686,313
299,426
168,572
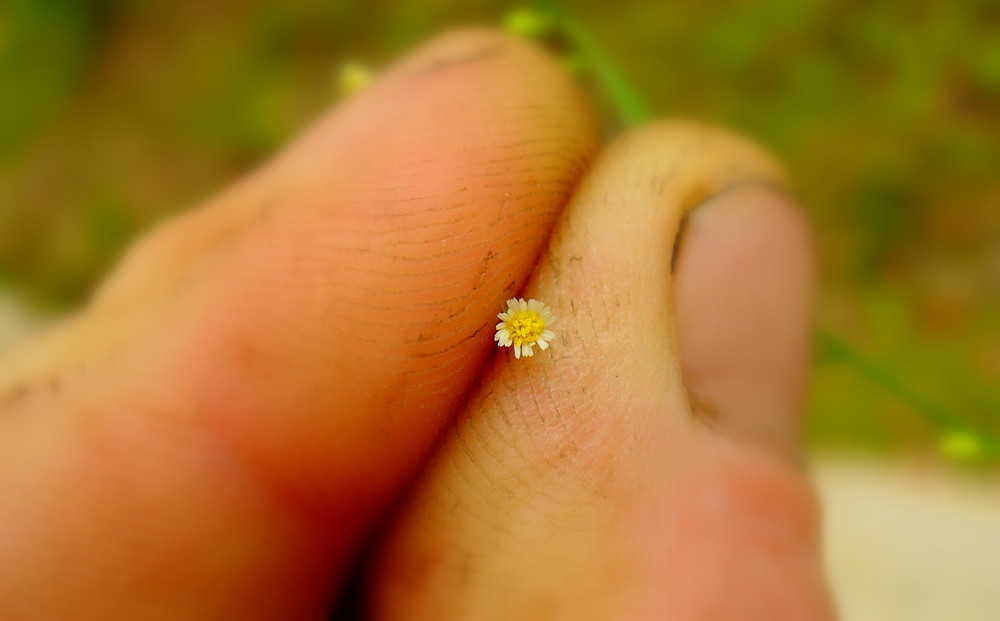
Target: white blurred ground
x,y
913,543
903,543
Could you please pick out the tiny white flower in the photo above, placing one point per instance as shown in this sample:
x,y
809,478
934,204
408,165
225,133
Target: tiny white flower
x,y
524,325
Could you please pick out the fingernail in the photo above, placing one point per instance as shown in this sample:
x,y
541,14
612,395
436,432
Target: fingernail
x,y
744,302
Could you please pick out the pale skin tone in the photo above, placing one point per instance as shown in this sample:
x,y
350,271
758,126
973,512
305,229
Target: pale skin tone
x,y
301,372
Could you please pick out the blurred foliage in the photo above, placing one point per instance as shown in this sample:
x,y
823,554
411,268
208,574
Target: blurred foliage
x,y
116,113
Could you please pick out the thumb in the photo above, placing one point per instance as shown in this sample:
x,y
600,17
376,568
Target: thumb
x,y
581,483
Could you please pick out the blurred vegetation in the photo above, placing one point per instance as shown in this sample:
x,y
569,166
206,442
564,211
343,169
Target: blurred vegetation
x,y
116,113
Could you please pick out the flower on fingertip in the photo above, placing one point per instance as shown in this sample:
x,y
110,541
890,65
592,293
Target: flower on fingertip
x,y
524,325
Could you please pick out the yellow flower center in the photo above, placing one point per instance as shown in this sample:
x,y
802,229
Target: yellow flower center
x,y
525,327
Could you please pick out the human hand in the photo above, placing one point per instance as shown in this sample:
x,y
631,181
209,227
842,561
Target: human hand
x,y
236,417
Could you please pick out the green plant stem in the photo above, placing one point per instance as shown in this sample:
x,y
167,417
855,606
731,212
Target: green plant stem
x,y
630,107
882,376
942,418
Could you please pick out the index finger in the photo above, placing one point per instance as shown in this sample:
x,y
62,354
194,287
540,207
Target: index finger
x,y
321,321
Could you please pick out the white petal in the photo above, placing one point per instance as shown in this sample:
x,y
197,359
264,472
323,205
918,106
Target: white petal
x,y
548,335
542,345
517,351
500,326
527,351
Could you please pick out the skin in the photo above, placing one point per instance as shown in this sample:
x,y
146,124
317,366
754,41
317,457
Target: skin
x,y
296,382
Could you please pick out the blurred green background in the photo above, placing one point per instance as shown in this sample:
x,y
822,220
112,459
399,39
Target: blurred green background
x,y
115,114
